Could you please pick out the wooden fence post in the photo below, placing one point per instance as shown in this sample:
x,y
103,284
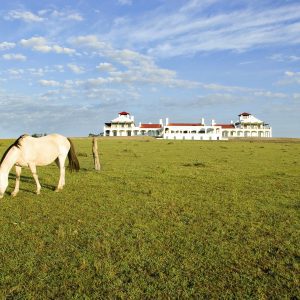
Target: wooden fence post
x,y
95,155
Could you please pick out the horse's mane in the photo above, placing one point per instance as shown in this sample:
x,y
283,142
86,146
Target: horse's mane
x,y
16,143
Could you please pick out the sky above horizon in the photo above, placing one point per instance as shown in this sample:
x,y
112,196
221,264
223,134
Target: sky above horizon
x,y
69,66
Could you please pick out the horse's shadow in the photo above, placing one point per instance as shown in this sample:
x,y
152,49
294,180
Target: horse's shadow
x,y
31,180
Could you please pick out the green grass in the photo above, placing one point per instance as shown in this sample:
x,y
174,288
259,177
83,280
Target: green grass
x,y
162,220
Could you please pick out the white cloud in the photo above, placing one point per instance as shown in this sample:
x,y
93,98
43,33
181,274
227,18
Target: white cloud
x,y
291,74
76,69
290,77
125,57
43,12
15,73
33,42
125,2
7,45
219,99
296,96
25,16
66,15
49,83
89,41
284,58
14,56
41,44
269,94
120,21
75,17
106,67
37,71
140,68
197,27
49,113
44,15
59,68
63,50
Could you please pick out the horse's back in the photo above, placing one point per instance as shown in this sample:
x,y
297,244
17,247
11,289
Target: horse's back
x,y
55,138
44,150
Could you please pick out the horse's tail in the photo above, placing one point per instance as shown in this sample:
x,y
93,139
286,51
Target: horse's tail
x,y
73,161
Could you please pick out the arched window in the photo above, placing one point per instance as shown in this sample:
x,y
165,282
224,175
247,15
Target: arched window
x,y
225,133
210,130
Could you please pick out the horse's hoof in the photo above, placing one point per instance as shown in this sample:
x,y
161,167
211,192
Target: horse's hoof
x,y
56,190
13,194
38,192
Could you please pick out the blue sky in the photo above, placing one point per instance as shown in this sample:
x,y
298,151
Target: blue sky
x,y
70,66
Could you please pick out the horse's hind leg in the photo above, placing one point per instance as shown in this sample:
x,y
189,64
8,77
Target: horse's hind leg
x,y
60,161
36,178
18,175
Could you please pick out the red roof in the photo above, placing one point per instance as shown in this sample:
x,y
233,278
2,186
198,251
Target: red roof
x,y
185,124
124,113
150,126
244,114
225,125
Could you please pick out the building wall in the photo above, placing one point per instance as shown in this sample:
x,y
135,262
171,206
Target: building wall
x,y
130,131
192,133
245,132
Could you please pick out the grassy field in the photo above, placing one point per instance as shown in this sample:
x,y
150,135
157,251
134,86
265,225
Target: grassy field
x,y
162,220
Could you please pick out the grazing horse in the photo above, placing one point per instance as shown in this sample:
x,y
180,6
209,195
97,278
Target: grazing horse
x,y
31,152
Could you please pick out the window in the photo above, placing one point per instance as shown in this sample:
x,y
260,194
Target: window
x,y
210,130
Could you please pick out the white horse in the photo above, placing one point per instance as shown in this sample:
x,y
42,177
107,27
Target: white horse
x,y
31,152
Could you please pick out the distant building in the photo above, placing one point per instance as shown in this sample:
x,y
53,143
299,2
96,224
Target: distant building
x,y
124,125
191,131
246,126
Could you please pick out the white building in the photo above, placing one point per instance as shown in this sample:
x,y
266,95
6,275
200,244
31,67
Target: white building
x,y
191,131
246,126
124,125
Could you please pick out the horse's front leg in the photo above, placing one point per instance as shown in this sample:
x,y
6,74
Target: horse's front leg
x,y
18,176
36,178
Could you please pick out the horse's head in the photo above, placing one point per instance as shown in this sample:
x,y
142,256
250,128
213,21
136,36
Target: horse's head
x,y
3,184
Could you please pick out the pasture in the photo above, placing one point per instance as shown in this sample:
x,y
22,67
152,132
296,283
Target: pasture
x,y
162,220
